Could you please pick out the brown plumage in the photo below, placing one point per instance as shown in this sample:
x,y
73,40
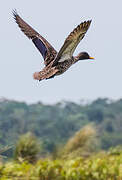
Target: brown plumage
x,y
55,63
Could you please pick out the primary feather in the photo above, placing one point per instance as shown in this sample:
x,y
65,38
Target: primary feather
x,y
47,51
72,41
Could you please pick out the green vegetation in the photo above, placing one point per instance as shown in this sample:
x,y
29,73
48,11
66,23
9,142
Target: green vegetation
x,y
102,166
82,144
64,141
27,148
77,160
54,124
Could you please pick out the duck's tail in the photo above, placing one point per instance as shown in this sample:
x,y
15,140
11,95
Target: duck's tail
x,y
45,74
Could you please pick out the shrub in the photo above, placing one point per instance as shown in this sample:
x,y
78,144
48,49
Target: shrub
x,y
83,143
27,148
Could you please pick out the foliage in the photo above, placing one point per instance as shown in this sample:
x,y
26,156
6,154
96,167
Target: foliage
x,y
83,143
62,129
102,166
55,124
27,148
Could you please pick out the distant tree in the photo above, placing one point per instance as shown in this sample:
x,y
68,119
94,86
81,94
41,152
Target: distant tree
x,y
101,102
58,122
111,140
109,127
27,148
48,146
83,143
95,114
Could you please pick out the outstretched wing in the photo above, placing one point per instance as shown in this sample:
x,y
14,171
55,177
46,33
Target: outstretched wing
x,y
46,50
72,41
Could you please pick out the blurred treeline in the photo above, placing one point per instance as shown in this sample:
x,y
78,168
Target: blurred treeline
x,y
78,159
54,124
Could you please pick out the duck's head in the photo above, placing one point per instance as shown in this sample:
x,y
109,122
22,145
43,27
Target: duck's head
x,y
83,56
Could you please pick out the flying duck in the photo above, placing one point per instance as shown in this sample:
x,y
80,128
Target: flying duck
x,y
55,62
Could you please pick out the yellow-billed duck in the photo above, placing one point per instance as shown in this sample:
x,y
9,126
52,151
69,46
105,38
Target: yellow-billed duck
x,y
55,62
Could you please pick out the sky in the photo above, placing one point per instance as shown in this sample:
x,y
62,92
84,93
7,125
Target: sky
x,y
54,20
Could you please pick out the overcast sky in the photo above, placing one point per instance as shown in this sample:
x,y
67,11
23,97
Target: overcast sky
x,y
54,20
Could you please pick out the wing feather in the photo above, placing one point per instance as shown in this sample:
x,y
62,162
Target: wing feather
x,y
72,41
47,51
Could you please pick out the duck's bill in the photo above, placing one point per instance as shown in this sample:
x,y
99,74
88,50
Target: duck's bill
x,y
91,58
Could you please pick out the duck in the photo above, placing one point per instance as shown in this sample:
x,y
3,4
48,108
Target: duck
x,y
56,63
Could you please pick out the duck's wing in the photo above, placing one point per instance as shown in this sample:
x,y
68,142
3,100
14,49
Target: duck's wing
x,y
71,42
46,50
